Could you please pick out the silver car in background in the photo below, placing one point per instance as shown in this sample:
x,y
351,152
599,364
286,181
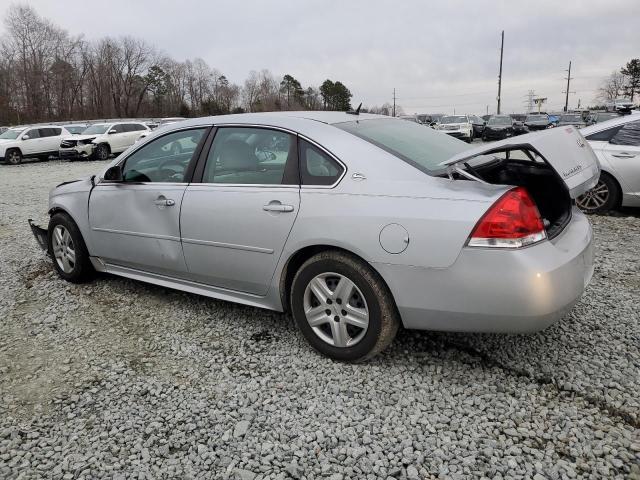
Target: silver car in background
x,y
616,143
356,224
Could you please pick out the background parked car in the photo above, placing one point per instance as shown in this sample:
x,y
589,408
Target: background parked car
x,y
599,117
498,127
101,140
574,119
478,125
458,126
537,122
617,145
620,105
40,141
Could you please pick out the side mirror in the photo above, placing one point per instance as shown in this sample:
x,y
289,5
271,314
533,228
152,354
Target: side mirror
x,y
110,132
484,123
113,174
25,137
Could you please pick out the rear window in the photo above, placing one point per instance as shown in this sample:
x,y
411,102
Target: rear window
x,y
421,147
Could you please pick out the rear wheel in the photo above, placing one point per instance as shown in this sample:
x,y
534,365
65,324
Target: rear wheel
x,y
342,307
14,156
67,249
603,197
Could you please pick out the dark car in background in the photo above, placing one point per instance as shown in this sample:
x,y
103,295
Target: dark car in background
x,y
599,117
537,122
574,119
478,125
498,127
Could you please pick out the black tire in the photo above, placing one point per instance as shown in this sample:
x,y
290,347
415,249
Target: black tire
x,y
383,321
102,152
484,138
82,269
594,201
13,156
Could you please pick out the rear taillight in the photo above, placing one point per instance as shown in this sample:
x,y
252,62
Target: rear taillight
x,y
512,222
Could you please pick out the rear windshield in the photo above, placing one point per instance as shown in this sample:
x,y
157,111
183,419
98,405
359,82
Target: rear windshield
x,y
571,118
424,148
537,118
500,121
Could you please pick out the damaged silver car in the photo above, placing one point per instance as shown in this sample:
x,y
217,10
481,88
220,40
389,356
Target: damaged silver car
x,y
354,223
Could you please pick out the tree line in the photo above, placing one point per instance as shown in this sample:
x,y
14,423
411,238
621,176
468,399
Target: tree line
x,y
622,83
47,74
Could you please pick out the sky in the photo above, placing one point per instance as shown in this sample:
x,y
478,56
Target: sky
x,y
438,55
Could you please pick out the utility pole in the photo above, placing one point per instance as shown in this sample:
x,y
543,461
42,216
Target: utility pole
x,y
394,102
566,100
500,74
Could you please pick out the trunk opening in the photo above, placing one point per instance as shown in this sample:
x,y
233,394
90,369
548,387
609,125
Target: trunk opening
x,y
541,181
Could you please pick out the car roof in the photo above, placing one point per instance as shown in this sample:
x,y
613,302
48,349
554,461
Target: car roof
x,y
614,122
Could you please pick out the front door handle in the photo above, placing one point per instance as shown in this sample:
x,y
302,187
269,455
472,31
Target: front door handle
x,y
161,201
623,155
276,206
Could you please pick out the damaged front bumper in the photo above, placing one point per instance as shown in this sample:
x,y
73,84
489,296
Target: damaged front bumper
x,y
41,235
79,152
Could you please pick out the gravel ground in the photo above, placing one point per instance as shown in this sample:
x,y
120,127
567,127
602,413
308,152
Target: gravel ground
x,y
118,379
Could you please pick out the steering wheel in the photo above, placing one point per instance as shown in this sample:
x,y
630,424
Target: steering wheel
x,y
169,174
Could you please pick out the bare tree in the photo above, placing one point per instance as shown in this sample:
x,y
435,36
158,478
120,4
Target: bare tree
x,y
612,87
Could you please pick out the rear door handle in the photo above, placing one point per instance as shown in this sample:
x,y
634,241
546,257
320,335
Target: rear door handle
x,y
623,155
277,207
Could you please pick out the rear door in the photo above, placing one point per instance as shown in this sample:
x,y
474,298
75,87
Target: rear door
x,y
136,223
564,148
237,216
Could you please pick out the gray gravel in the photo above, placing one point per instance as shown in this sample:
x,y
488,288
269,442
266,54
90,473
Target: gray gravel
x,y
118,379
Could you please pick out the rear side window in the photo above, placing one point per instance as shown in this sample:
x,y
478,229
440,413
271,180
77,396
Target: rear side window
x,y
316,167
251,156
604,135
629,134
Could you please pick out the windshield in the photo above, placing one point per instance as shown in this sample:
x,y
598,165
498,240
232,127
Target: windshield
x,y
571,118
421,147
601,117
499,121
95,129
536,118
454,119
11,134
75,129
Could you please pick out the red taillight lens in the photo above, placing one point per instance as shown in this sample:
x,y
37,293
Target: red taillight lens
x,y
512,222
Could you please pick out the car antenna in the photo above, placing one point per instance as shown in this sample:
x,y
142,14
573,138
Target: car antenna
x,y
356,111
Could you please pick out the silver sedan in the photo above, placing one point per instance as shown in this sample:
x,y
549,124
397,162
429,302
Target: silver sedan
x,y
617,145
356,224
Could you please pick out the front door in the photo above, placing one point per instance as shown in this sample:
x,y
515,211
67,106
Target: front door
x,y
136,222
623,154
236,221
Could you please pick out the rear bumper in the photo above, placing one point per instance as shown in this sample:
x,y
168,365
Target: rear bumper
x,y
459,133
491,290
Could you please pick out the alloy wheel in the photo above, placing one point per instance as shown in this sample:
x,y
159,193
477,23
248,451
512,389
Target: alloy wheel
x,y
336,309
14,158
594,198
63,249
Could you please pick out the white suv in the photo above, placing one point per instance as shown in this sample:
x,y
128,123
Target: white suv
x,y
101,140
22,142
459,126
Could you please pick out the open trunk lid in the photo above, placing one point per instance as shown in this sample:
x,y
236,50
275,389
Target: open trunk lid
x,y
563,148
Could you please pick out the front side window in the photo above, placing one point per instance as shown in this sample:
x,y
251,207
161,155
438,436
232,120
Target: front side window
x,y
33,133
164,159
424,148
117,128
249,156
629,135
316,167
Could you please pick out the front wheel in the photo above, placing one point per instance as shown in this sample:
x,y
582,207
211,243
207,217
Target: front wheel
x,y
342,307
67,249
14,157
102,152
603,197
